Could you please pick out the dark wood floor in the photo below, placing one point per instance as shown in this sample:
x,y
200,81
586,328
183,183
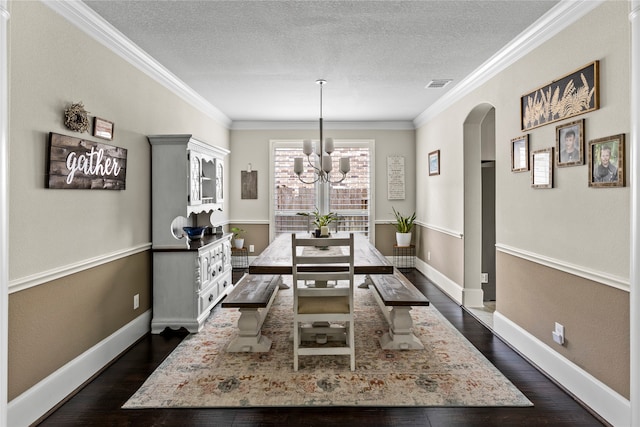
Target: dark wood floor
x,y
99,402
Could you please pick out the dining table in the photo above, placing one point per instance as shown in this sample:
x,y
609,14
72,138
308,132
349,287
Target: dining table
x,y
276,258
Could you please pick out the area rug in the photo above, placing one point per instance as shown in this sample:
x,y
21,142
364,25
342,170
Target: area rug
x,y
200,373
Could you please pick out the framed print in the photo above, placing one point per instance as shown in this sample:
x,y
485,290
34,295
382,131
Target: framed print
x,y
570,144
103,128
520,154
542,168
576,93
606,161
434,162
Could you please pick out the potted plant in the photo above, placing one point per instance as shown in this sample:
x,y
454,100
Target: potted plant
x,y
238,236
321,221
404,225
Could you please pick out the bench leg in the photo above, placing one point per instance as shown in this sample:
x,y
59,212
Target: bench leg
x,y
400,335
365,283
250,338
281,284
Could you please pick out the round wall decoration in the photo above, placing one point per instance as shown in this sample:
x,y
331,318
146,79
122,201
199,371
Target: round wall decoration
x,y
75,118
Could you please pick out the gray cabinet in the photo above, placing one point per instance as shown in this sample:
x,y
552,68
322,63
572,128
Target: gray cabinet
x,y
189,278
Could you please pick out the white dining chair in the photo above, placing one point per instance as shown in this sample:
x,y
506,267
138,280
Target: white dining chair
x,y
323,313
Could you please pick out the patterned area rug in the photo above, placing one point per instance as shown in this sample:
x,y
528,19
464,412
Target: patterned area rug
x,y
200,373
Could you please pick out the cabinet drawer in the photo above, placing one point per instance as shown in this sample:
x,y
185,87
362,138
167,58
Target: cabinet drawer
x,y
207,298
224,283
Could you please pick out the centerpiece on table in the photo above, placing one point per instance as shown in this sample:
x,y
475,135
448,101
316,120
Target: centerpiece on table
x,y
321,221
404,225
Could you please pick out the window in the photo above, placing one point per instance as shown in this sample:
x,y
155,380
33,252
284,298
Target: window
x,y
351,199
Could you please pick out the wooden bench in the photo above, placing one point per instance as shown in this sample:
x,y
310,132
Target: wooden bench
x,y
396,295
253,296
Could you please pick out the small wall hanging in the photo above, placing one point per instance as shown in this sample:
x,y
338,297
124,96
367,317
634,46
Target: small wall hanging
x,y
102,128
75,118
395,178
249,183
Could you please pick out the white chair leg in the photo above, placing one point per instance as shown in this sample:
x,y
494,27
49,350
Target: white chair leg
x,y
296,344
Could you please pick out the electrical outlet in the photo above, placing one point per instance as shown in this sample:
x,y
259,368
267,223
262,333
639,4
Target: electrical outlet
x,y
136,301
251,248
484,278
558,334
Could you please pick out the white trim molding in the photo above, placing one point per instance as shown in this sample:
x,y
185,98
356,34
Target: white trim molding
x,y
577,270
4,209
42,397
451,288
249,221
306,125
65,270
87,20
453,233
634,184
603,400
557,19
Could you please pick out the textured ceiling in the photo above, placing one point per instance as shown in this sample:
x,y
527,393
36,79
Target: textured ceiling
x,y
258,60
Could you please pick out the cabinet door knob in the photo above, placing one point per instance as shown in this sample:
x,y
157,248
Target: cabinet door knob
x,y
210,297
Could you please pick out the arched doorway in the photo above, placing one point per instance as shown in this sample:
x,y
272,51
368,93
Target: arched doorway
x,y
479,206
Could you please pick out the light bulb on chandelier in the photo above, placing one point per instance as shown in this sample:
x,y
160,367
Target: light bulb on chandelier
x,y
322,156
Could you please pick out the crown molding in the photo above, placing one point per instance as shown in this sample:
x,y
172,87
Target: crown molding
x,y
306,125
83,17
555,20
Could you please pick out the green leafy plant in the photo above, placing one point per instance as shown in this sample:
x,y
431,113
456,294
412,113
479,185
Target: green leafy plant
x,y
320,220
238,233
403,224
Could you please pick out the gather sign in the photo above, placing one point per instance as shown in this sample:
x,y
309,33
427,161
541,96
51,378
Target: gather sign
x,y
82,164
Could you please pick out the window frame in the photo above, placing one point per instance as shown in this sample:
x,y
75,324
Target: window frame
x,y
320,191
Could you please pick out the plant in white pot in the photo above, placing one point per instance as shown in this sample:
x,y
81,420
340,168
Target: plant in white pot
x,y
321,221
404,225
238,237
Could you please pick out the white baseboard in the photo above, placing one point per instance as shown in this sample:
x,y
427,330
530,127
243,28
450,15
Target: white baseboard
x,y
35,402
603,400
451,288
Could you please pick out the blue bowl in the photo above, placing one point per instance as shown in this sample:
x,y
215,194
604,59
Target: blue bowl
x,y
194,233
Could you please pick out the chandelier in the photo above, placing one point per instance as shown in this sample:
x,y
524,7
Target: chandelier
x,y
322,156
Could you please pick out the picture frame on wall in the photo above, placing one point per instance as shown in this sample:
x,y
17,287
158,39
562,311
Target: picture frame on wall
x,y
542,168
434,163
571,95
606,161
102,128
570,144
520,154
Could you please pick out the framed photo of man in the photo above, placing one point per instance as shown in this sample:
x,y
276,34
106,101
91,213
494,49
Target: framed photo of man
x,y
606,161
570,144
520,154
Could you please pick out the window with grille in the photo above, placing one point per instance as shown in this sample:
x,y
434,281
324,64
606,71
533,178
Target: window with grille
x,y
351,199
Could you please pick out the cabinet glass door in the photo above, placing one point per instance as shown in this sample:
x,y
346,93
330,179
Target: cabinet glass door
x,y
219,181
195,193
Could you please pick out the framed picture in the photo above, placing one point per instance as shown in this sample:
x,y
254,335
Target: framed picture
x,y
542,168
102,128
434,163
520,154
606,161
576,93
570,144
